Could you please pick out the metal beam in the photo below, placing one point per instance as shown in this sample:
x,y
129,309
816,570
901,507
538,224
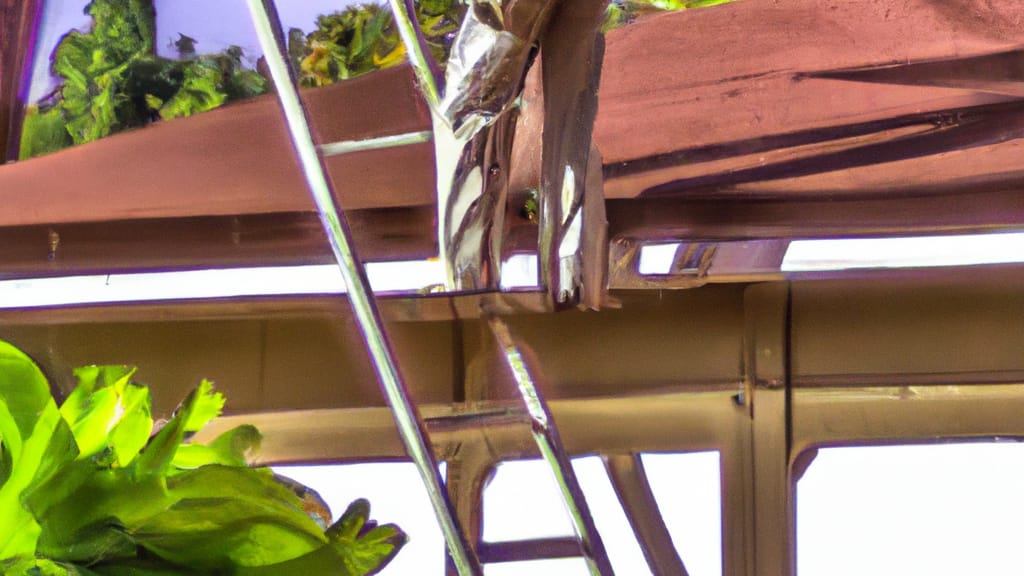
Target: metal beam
x,y
767,375
634,491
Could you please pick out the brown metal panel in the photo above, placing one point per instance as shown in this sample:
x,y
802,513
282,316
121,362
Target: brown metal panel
x,y
496,552
767,373
172,357
318,363
279,364
673,422
679,338
905,414
867,330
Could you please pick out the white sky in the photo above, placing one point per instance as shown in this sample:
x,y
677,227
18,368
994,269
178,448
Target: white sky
x,y
912,252
523,502
935,510
917,510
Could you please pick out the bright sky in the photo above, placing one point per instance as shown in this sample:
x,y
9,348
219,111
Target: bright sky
x,y
935,510
523,502
913,510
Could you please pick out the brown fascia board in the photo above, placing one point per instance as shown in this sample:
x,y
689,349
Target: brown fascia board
x,y
236,160
278,239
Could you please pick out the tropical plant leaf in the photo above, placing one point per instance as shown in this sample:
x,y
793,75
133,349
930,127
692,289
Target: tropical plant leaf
x,y
25,393
363,546
232,448
88,523
36,442
229,516
94,407
199,407
173,509
356,547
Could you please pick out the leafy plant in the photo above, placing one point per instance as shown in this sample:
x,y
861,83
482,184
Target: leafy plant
x,y
361,39
112,79
87,489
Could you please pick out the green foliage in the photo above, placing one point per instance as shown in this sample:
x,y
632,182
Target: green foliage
x,y
43,132
622,12
361,39
112,80
85,489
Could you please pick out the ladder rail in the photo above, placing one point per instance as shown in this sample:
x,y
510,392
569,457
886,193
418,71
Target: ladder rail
x,y
410,423
549,442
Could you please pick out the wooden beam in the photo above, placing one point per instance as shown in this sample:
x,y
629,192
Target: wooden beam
x,y
290,238
737,219
236,160
740,70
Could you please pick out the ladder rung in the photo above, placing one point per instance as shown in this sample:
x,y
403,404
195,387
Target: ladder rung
x,y
521,550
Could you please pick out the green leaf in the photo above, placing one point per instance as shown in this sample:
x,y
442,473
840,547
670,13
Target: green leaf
x,y
63,512
198,408
25,393
131,432
622,12
141,567
91,407
356,547
41,455
246,84
229,516
107,411
43,132
232,448
208,405
88,522
363,546
202,89
360,39
36,442
93,65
